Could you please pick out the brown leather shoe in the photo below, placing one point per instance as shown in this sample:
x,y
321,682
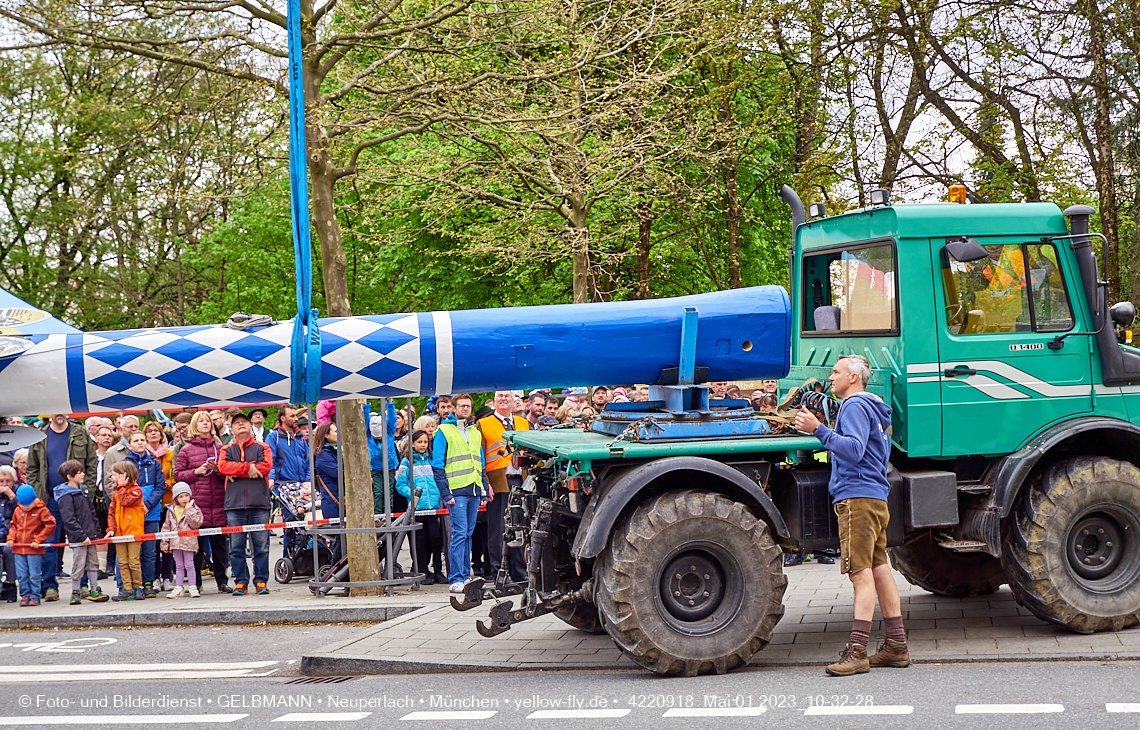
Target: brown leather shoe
x,y
891,653
852,660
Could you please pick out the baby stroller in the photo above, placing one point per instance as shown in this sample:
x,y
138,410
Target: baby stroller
x,y
338,571
298,557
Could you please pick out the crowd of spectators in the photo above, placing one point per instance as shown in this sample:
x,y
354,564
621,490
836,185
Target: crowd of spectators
x,y
116,476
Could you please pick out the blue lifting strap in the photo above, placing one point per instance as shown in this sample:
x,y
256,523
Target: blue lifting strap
x,y
306,342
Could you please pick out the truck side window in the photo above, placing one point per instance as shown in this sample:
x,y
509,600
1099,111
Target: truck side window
x,y
1051,309
858,293
993,294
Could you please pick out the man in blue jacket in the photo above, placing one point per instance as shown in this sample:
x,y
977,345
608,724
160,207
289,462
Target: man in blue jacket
x,y
290,452
461,476
860,447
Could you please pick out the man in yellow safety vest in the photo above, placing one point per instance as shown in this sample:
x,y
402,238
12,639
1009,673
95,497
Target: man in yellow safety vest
x,y
461,476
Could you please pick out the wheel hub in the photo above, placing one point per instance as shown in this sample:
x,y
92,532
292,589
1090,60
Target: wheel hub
x,y
692,586
1095,546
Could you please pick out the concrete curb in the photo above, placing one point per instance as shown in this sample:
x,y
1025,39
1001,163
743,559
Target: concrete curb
x,y
323,663
205,617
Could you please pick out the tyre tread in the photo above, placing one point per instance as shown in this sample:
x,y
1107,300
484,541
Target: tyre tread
x,y
1027,542
614,576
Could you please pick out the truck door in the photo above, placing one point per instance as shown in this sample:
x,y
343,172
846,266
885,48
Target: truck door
x,y
1000,382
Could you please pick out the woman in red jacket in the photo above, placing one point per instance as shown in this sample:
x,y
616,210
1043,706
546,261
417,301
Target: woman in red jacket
x,y
197,465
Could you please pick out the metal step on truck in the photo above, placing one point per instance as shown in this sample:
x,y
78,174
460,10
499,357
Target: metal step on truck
x,y
1014,439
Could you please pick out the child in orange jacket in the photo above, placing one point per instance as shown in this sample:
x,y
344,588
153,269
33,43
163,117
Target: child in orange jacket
x,y
32,525
125,516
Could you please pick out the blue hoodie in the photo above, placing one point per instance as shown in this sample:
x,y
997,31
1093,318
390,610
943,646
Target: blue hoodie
x,y
381,430
290,456
152,481
860,447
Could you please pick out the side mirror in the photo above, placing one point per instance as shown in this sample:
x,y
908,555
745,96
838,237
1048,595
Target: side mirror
x,y
1123,313
965,249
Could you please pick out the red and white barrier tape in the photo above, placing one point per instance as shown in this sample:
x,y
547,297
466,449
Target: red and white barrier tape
x,y
206,531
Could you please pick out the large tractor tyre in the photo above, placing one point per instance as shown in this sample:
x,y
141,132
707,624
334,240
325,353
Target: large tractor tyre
x,y
943,572
690,583
582,616
1071,553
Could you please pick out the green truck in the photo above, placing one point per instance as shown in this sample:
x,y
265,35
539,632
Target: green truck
x,y
1015,437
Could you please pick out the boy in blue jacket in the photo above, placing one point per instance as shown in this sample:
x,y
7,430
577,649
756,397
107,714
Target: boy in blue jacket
x,y
860,447
80,527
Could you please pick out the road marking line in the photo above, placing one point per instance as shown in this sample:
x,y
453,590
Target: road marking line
x,y
44,677
860,710
64,668
321,716
1007,709
575,714
119,719
715,712
1122,707
451,715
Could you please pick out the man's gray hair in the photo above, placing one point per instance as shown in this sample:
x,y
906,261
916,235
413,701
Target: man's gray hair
x,y
10,471
858,365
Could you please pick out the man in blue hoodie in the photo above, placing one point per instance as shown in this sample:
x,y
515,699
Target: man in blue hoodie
x,y
860,446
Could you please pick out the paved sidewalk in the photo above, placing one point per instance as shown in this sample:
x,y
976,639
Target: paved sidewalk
x,y
285,603
815,627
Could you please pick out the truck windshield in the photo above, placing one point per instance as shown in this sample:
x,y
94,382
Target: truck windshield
x,y
994,293
851,290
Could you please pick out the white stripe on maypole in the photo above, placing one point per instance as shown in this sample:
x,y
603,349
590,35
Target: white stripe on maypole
x,y
444,354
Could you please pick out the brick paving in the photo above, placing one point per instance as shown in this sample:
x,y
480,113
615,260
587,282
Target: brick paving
x,y
815,626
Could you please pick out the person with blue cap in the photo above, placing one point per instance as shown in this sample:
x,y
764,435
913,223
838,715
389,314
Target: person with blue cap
x,y
32,525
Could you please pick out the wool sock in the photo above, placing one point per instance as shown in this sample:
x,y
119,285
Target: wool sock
x,y
894,628
860,632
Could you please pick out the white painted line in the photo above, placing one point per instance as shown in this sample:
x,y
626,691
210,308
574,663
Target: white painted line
x,y
451,715
1007,709
321,716
65,668
41,678
715,712
1122,707
575,714
119,719
860,710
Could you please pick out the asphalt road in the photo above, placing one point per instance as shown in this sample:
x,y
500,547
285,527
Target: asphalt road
x,y
245,677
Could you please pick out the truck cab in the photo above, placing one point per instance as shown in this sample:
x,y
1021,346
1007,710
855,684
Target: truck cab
x,y
963,345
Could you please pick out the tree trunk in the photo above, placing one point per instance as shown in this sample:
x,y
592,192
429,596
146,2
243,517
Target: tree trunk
x,y
578,236
1104,166
363,558
644,246
334,264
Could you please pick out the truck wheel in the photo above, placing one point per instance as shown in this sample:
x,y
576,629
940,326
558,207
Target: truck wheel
x,y
944,572
1072,550
582,616
691,583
